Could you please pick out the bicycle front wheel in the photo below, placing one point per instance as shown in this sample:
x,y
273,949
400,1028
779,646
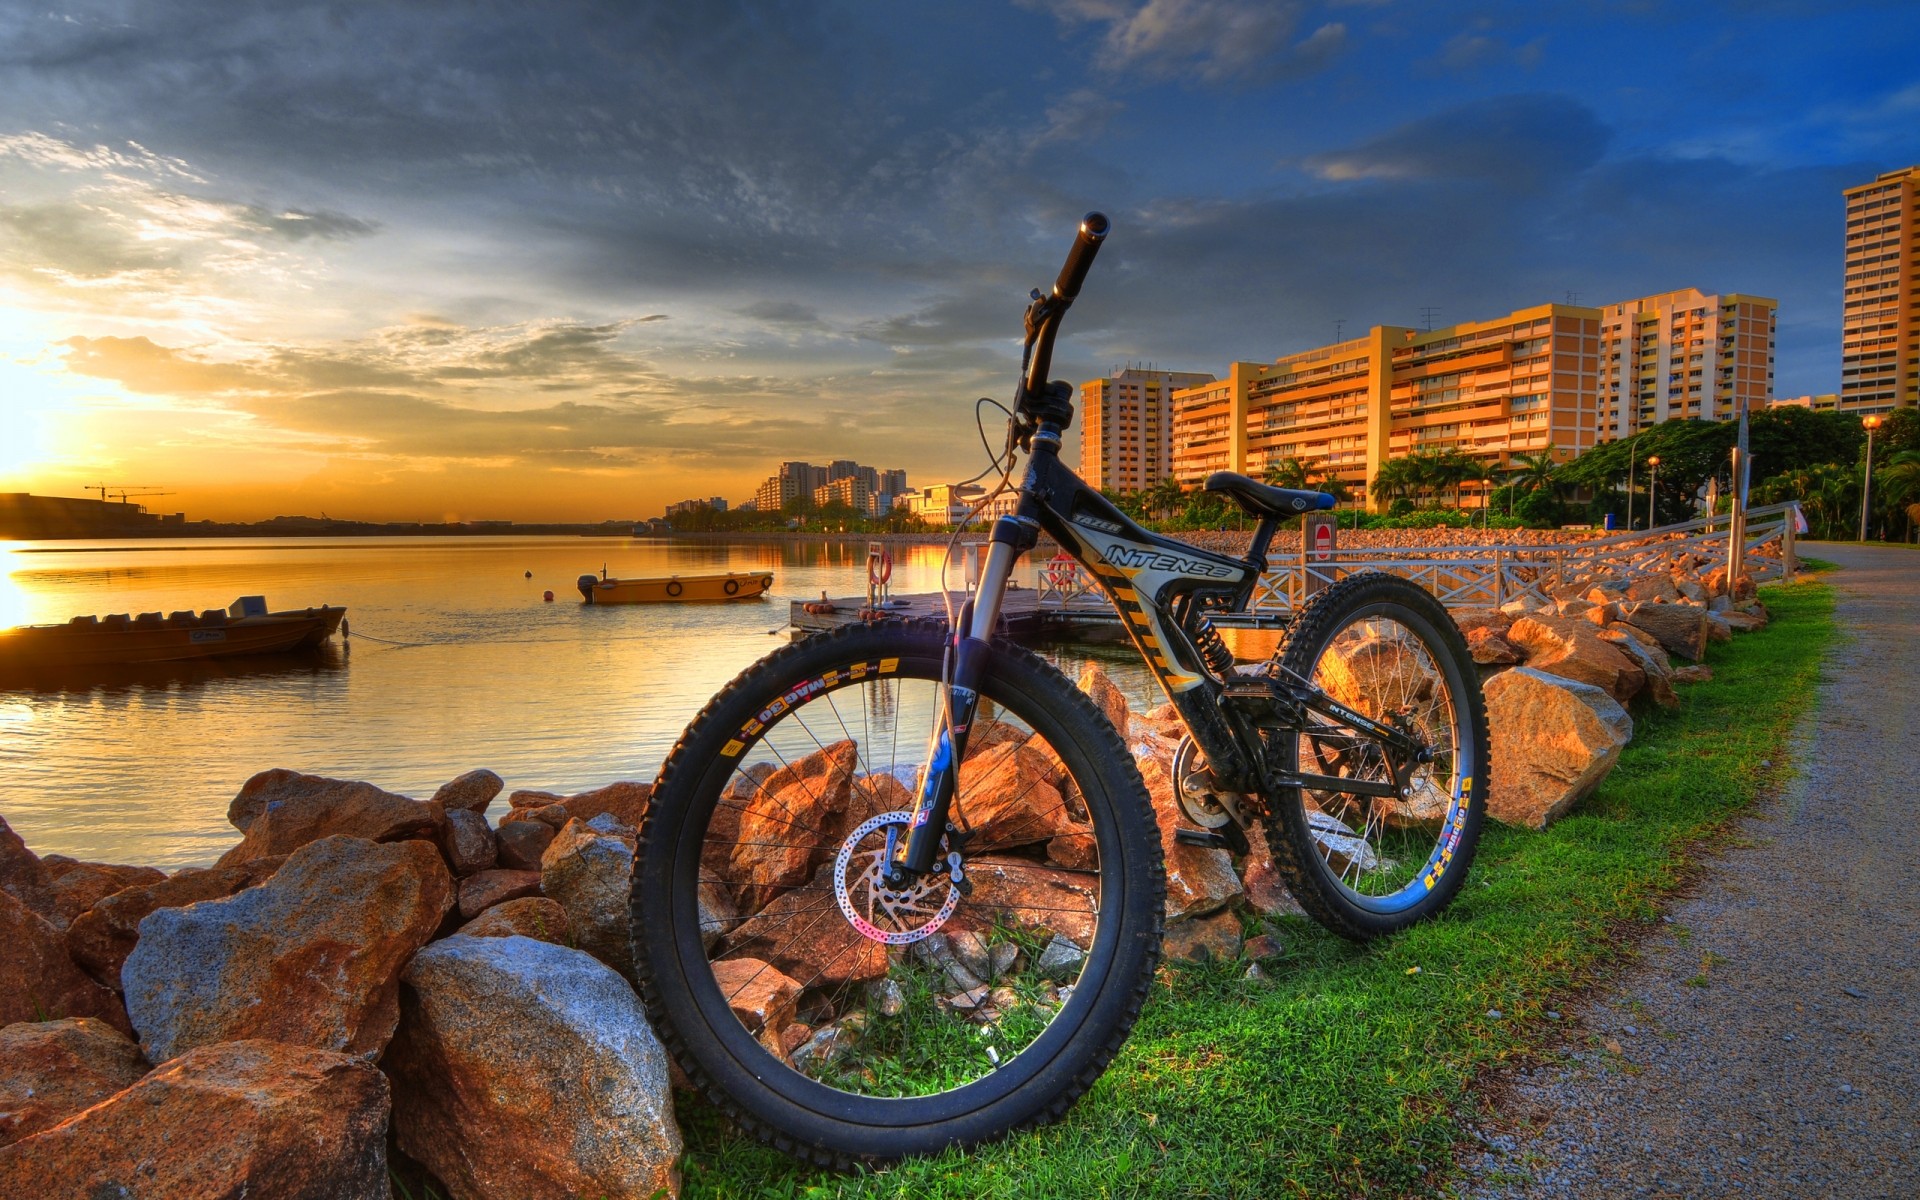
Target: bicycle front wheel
x,y
1366,865
843,1020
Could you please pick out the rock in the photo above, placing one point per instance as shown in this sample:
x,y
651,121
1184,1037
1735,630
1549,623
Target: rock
x,y
1470,619
802,933
521,844
78,886
1489,649
1694,674
1720,603
50,1070
1573,607
1516,608
1199,879
970,947
1718,628
238,1119
1652,660
787,826
467,842
1740,621
761,996
1680,628
1690,589
530,916
1655,587
590,874
1265,892
1554,739
1574,650
311,957
471,792
24,877
528,1071
887,997
832,1042
1017,893
625,800
38,981
279,811
101,938
988,733
553,816
1360,671
1214,937
1061,960
1107,697
1264,946
1007,798
480,892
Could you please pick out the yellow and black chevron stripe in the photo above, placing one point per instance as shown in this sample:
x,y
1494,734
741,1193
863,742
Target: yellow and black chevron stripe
x,y
1118,584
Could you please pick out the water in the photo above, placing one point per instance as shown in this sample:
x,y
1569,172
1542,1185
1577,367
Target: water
x,y
555,695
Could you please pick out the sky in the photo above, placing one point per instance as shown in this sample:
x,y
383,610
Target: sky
x,y
575,261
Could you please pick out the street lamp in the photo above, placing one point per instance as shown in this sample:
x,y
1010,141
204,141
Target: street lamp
x,y
1653,482
1866,489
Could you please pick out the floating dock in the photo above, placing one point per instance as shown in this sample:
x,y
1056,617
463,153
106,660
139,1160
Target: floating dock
x,y
1025,612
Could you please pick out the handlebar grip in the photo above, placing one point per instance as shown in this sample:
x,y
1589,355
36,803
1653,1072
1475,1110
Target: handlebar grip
x,y
1093,230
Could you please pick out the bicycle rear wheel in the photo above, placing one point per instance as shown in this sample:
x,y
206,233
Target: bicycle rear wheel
x,y
843,1021
1363,865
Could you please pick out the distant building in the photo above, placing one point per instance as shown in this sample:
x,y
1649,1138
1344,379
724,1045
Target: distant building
x,y
24,515
798,479
1684,354
1880,308
1126,426
848,490
716,503
1829,402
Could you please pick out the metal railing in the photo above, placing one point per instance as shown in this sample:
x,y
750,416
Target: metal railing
x,y
1493,575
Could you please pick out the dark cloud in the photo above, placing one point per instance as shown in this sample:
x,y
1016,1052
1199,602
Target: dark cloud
x,y
76,240
1525,142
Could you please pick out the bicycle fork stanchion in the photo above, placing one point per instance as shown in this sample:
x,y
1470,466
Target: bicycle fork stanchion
x,y
949,744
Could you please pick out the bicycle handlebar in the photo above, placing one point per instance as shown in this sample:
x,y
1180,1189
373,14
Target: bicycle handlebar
x,y
1044,316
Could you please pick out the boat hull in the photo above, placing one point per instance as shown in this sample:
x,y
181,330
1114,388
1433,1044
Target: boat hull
x,y
751,585
58,646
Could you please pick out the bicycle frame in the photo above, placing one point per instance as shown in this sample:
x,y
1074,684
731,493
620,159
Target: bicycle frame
x,y
1164,590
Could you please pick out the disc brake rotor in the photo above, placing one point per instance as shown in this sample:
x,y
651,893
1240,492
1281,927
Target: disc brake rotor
x,y
878,912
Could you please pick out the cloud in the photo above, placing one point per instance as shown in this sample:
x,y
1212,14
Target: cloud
x,y
1464,53
1522,142
1212,40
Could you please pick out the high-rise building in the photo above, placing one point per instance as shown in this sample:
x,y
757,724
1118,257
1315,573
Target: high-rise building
x,y
1683,354
1126,427
1880,310
1527,382
892,483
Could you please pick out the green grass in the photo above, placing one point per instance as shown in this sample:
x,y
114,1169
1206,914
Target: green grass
x,y
1350,1073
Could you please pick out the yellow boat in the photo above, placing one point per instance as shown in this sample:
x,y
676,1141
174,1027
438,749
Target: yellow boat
x,y
749,585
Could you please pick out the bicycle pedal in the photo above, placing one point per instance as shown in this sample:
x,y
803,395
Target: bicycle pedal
x,y
1201,837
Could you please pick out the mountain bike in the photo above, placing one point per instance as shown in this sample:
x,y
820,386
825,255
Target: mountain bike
x,y
901,885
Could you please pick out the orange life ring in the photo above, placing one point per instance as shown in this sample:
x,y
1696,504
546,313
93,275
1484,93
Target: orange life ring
x,y
674,588
884,572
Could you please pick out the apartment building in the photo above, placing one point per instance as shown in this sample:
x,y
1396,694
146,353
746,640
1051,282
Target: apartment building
x,y
1126,426
850,490
1880,313
1525,382
1684,354
1825,402
797,479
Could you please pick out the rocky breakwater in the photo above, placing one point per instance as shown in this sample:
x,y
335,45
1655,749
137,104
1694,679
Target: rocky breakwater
x,y
360,965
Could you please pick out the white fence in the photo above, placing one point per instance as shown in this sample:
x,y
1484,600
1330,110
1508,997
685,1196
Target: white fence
x,y
1495,574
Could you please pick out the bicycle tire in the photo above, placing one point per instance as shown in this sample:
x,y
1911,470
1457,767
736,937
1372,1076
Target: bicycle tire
x,y
862,1108
1385,647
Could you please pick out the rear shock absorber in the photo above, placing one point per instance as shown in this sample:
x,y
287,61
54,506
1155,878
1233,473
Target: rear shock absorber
x,y
1212,647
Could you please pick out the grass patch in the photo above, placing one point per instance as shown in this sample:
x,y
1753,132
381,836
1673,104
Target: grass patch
x,y
1348,1074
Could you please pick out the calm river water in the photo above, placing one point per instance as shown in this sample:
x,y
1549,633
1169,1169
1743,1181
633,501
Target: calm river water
x,y
557,696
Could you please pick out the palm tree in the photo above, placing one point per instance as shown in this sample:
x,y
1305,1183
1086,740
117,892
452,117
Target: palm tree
x,y
1394,479
1164,497
1286,473
1529,473
1897,487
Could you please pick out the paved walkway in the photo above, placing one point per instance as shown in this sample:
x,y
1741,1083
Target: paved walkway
x,y
1796,1071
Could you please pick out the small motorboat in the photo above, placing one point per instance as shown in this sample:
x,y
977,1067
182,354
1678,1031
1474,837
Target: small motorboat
x,y
245,627
747,585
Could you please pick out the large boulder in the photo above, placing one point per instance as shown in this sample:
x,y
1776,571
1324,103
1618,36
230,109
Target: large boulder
x,y
311,957
1200,880
480,892
520,844
1653,660
1489,649
1007,797
279,811
1574,649
50,1070
1107,696
802,933
1554,740
468,843
471,792
247,1118
626,801
528,1071
589,872
1680,628
78,886
780,840
101,938
37,978
530,916
24,877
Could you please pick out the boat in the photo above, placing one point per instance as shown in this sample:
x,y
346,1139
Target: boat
x,y
244,627
746,585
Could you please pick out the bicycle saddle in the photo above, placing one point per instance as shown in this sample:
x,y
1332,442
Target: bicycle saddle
x,y
1259,500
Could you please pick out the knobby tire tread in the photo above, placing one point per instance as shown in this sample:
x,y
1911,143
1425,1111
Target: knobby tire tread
x,y
1316,625
1133,803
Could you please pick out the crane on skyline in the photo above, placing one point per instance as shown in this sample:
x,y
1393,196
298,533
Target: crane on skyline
x,y
124,490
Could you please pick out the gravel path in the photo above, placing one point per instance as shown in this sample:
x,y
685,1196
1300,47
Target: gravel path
x,y
1767,1043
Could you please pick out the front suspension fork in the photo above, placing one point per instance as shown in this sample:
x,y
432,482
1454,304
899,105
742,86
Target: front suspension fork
x,y
948,745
